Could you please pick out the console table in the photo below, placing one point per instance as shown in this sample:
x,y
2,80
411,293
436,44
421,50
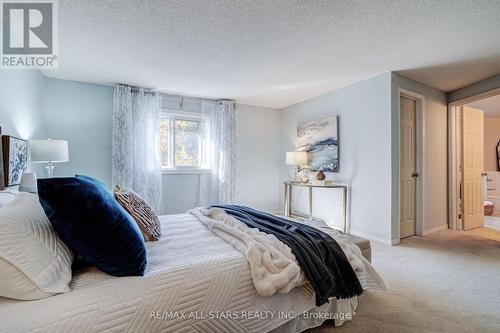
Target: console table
x,y
288,198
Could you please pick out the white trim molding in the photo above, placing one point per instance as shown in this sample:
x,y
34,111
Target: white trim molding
x,y
453,207
475,98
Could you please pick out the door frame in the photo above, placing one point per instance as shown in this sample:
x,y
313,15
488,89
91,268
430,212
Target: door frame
x,y
420,150
453,221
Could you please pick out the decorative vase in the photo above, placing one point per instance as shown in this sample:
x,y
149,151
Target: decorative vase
x,y
320,175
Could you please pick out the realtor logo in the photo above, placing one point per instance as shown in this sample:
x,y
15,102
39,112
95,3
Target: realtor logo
x,y
29,34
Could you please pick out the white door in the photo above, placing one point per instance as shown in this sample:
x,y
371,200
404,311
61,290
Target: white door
x,y
473,162
408,170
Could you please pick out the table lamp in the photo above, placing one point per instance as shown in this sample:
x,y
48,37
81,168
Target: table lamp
x,y
49,152
296,159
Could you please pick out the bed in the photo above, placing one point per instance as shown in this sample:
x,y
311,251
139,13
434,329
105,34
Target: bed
x,y
194,282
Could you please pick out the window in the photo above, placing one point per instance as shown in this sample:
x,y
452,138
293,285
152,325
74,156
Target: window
x,y
184,138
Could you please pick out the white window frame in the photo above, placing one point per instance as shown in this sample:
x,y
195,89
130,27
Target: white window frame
x,y
173,115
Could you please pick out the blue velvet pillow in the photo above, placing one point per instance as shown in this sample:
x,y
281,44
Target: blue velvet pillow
x,y
86,216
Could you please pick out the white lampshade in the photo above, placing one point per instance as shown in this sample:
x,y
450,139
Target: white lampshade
x,y
28,182
296,158
45,151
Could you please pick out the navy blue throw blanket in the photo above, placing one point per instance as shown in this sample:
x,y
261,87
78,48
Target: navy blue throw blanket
x,y
319,255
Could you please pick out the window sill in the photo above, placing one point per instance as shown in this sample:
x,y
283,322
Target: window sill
x,y
184,171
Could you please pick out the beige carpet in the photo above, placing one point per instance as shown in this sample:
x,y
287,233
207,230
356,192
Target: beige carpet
x,y
445,282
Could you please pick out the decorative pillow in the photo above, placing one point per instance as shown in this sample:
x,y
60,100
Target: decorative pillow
x,y
95,181
92,223
141,211
34,262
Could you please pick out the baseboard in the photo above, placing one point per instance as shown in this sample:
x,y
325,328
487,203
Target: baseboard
x,y
435,229
371,237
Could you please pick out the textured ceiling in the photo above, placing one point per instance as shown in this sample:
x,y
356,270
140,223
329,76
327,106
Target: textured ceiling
x,y
490,106
275,53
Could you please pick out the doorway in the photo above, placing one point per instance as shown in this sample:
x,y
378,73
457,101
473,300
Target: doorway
x,y
474,161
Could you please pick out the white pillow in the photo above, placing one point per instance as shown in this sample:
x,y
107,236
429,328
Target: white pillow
x,y
34,262
7,195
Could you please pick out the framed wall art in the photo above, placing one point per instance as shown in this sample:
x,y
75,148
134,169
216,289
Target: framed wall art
x,y
15,159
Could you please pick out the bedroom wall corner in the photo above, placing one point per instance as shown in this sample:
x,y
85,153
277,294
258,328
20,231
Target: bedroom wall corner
x,y
259,167
364,110
21,105
82,114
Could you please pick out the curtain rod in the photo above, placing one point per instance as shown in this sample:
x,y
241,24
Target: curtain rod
x,y
196,99
136,88
177,97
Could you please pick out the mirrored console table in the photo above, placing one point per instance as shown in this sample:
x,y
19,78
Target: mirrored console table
x,y
288,198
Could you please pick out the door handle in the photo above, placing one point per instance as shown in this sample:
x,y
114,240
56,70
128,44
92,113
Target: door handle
x,y
414,175
484,174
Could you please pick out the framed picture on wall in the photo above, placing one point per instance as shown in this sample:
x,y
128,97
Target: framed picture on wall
x,y
15,159
320,139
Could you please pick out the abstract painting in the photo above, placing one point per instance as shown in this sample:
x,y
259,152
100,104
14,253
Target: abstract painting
x,y
320,139
15,159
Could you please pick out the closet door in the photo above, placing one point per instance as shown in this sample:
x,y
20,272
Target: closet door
x,y
408,167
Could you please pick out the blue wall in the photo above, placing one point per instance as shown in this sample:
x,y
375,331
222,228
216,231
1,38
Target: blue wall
x,y
82,114
21,103
35,107
364,110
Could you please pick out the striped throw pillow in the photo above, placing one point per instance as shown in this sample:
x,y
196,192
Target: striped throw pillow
x,y
143,214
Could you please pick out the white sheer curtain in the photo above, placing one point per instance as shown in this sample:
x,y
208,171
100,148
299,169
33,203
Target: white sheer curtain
x,y
136,157
219,186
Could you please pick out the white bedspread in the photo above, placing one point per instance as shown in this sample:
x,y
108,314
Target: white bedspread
x,y
194,282
273,266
